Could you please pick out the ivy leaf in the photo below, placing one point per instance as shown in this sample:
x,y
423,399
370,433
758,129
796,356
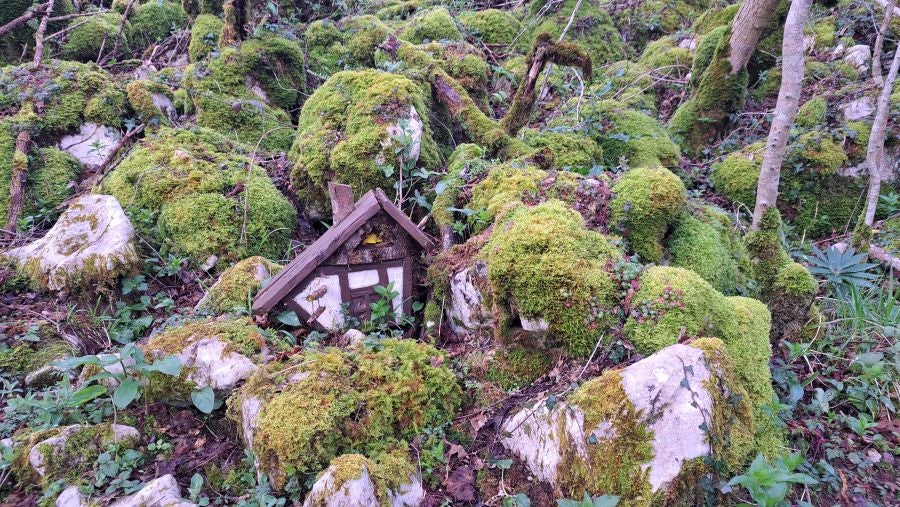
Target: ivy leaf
x,y
126,393
204,399
289,318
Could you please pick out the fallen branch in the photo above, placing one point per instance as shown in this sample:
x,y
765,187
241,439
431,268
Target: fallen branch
x,y
17,185
39,36
118,41
544,50
30,13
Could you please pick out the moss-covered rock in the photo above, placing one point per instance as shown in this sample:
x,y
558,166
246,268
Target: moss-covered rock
x,y
737,175
331,402
197,185
89,36
571,151
630,136
389,478
491,26
516,367
812,113
151,100
237,285
543,264
152,22
645,202
698,246
204,36
19,42
431,25
347,44
667,58
353,130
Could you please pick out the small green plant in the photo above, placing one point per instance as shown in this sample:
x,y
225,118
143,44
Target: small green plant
x,y
132,374
860,425
113,470
195,490
588,501
841,269
770,484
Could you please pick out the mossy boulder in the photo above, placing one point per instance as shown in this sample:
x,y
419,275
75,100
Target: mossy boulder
x,y
347,44
675,304
245,92
153,21
356,129
68,452
516,367
491,26
641,432
236,286
219,354
736,176
13,45
434,24
330,402
89,36
204,36
629,136
545,266
645,202
390,478
812,113
91,245
571,151
699,246
202,198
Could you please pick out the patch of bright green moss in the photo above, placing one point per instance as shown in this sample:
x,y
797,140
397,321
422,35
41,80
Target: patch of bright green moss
x,y
627,134
698,246
592,28
153,21
204,36
492,26
237,284
517,367
349,401
89,36
612,465
197,183
343,135
544,263
389,471
812,113
240,334
347,44
431,25
645,202
737,175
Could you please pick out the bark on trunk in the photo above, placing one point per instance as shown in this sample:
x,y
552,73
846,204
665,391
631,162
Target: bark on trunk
x,y
748,25
793,67
30,13
875,150
17,185
879,43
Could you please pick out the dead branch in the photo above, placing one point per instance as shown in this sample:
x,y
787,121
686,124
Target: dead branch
x,y
17,185
544,50
879,43
30,13
118,41
39,36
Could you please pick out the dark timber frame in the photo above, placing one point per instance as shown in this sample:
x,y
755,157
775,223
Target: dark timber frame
x,y
293,279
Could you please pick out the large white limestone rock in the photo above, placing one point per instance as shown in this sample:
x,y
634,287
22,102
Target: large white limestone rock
x,y
92,243
668,390
163,492
466,310
92,144
859,57
330,490
56,444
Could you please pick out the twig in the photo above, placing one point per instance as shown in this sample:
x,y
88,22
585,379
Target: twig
x,y
118,41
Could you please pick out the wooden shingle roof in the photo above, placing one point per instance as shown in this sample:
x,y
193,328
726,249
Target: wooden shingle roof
x,y
304,264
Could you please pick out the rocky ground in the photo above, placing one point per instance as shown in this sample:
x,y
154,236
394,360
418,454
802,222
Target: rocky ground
x,y
596,324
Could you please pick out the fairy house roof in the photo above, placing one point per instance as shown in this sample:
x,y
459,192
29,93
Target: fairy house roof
x,y
349,218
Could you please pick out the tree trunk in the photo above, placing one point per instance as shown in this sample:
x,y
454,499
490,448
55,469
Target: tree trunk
x,y
793,67
875,150
879,43
17,185
748,25
30,13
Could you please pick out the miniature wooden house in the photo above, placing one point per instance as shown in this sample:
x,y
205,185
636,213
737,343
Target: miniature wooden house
x,y
371,243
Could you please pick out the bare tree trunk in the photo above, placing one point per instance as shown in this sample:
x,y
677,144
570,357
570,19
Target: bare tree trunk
x,y
793,67
879,43
875,150
39,36
748,25
17,185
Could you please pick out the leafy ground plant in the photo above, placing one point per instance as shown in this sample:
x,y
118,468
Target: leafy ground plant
x,y
769,484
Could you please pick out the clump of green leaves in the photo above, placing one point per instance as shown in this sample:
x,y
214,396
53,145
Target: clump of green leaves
x,y
769,484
